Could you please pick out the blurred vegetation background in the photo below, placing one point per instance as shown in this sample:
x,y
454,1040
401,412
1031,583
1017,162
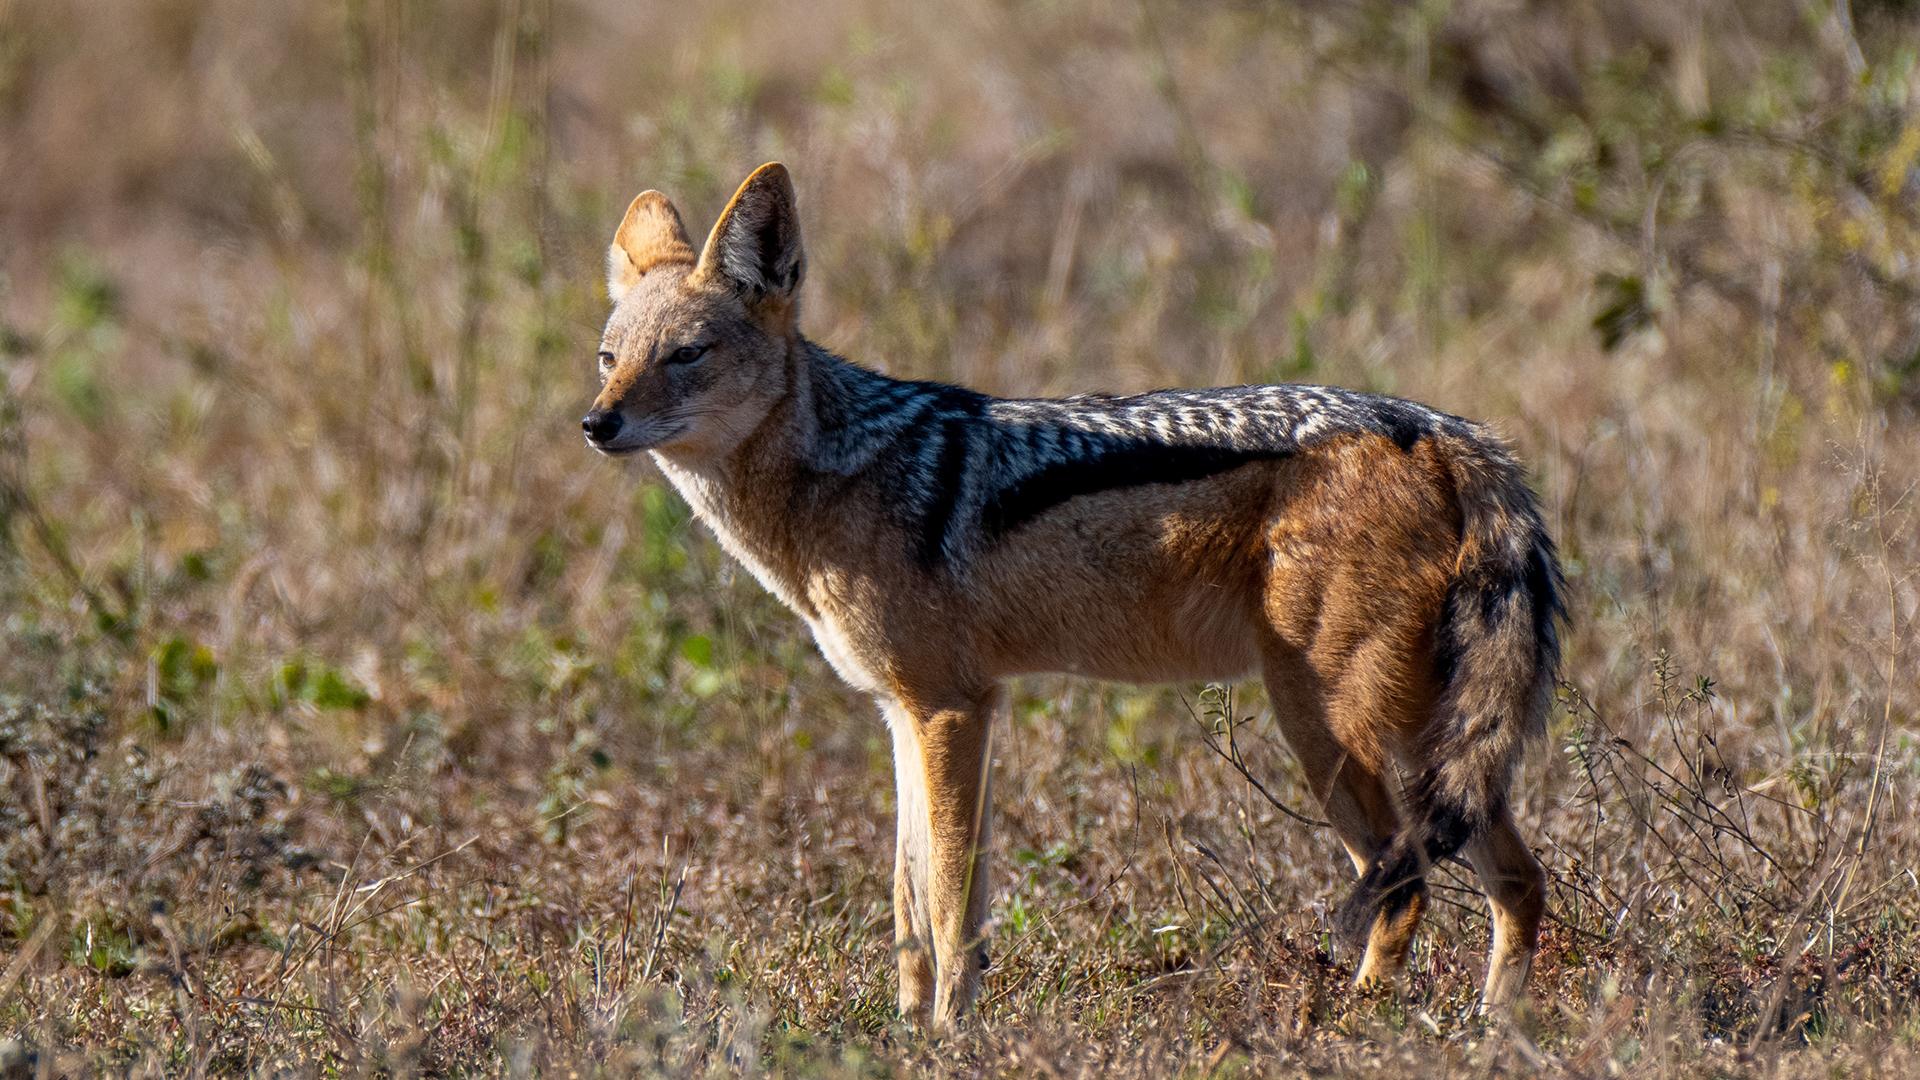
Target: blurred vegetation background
x,y
356,718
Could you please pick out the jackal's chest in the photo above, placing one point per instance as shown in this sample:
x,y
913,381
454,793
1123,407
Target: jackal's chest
x,y
721,514
822,600
844,652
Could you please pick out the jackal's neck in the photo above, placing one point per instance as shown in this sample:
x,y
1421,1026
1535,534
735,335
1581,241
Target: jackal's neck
x,y
850,414
765,500
834,417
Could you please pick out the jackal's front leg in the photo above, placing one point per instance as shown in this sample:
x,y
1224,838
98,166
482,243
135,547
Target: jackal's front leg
x,y
946,902
912,921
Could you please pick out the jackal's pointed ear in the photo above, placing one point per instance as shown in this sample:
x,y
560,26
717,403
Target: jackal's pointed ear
x,y
755,246
650,235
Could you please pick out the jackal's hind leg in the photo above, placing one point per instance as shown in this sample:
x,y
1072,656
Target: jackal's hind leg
x,y
1353,793
1516,886
1362,813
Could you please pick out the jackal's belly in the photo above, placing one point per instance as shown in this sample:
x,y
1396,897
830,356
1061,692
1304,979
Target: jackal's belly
x,y
1145,665
1153,584
1200,633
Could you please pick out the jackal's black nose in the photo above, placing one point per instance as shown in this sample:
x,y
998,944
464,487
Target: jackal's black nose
x,y
601,425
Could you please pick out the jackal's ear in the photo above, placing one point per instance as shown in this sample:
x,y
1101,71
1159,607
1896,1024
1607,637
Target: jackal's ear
x,y
650,235
755,246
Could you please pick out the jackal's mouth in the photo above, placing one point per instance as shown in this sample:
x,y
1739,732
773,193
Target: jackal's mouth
x,y
622,447
647,436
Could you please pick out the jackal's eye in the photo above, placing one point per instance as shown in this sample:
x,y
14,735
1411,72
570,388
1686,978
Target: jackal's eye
x,y
686,354
606,364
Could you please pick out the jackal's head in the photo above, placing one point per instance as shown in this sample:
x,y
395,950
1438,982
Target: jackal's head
x,y
697,350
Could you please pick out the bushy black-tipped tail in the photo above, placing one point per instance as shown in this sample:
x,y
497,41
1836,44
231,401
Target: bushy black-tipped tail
x,y
1396,879
1496,652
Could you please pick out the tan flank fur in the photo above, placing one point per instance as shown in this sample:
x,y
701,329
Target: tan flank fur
x,y
1381,565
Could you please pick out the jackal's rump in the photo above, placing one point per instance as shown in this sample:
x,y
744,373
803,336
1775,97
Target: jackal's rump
x,y
1496,649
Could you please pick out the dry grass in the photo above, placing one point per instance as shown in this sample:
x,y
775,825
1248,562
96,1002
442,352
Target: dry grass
x,y
356,719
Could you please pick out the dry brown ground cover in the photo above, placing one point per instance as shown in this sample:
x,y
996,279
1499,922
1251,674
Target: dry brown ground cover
x,y
356,719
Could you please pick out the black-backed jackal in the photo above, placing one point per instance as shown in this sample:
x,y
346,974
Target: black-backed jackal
x,y
1381,565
